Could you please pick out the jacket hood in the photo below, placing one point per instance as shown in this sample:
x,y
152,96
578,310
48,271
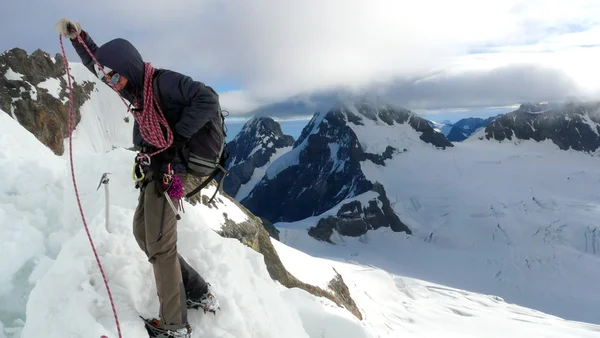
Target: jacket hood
x,y
121,56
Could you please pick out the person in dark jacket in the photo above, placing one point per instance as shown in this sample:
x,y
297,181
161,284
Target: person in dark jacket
x,y
188,105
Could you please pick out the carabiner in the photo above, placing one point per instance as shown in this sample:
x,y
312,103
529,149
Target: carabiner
x,y
143,159
137,175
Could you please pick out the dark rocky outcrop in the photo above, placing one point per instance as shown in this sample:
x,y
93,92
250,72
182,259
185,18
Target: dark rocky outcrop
x,y
253,233
355,218
40,112
252,148
570,126
271,229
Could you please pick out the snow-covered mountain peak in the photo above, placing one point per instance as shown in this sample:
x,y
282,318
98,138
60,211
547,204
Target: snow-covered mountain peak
x,y
33,91
259,134
258,143
570,126
323,172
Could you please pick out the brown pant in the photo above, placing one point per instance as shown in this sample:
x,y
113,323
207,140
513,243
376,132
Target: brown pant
x,y
155,230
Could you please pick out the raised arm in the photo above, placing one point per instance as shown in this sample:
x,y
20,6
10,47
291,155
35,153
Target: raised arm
x,y
64,27
83,53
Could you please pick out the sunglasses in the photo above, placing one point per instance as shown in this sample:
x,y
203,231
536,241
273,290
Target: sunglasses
x,y
111,77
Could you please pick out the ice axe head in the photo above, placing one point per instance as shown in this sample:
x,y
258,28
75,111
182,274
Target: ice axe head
x,y
103,180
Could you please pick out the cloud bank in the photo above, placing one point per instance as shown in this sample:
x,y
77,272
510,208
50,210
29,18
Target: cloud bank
x,y
426,54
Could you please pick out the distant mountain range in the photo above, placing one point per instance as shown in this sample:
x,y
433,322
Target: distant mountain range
x,y
463,128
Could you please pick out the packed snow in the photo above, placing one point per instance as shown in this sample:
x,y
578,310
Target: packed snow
x,y
102,126
53,285
13,76
49,275
52,85
512,219
399,306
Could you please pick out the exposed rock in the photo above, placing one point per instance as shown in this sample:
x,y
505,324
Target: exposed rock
x,y
380,158
271,229
38,110
253,234
570,126
356,219
252,148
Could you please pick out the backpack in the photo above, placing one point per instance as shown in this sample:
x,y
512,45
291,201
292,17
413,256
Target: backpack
x,y
206,154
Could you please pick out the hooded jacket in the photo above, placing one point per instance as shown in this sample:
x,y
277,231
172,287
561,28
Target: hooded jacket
x,y
187,105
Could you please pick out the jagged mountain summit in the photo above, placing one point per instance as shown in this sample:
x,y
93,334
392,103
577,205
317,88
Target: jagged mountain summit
x,y
33,91
323,175
260,142
570,126
466,127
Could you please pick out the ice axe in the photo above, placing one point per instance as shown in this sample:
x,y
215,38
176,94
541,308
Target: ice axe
x,y
104,180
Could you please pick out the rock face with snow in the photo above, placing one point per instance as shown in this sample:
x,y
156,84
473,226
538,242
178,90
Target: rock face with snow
x,y
324,168
569,126
464,128
33,90
253,148
355,218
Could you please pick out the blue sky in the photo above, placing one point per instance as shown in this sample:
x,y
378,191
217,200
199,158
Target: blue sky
x,y
431,56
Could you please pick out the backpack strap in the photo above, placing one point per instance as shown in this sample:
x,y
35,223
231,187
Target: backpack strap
x,y
219,169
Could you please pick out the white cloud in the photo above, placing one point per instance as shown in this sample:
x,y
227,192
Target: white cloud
x,y
274,49
238,100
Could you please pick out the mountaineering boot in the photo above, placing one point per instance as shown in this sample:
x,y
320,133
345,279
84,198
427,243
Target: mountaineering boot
x,y
155,331
207,302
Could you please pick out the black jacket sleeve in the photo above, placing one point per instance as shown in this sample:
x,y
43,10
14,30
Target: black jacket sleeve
x,y
83,53
201,100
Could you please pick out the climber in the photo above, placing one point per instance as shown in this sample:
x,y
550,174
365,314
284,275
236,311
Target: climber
x,y
187,106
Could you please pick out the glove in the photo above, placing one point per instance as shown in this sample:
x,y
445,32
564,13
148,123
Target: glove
x,y
64,27
179,142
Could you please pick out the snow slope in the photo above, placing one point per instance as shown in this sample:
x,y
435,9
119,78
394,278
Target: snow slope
x,y
46,258
398,306
514,220
102,126
50,278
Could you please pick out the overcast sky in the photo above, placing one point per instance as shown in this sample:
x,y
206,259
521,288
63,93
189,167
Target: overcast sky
x,y
428,55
